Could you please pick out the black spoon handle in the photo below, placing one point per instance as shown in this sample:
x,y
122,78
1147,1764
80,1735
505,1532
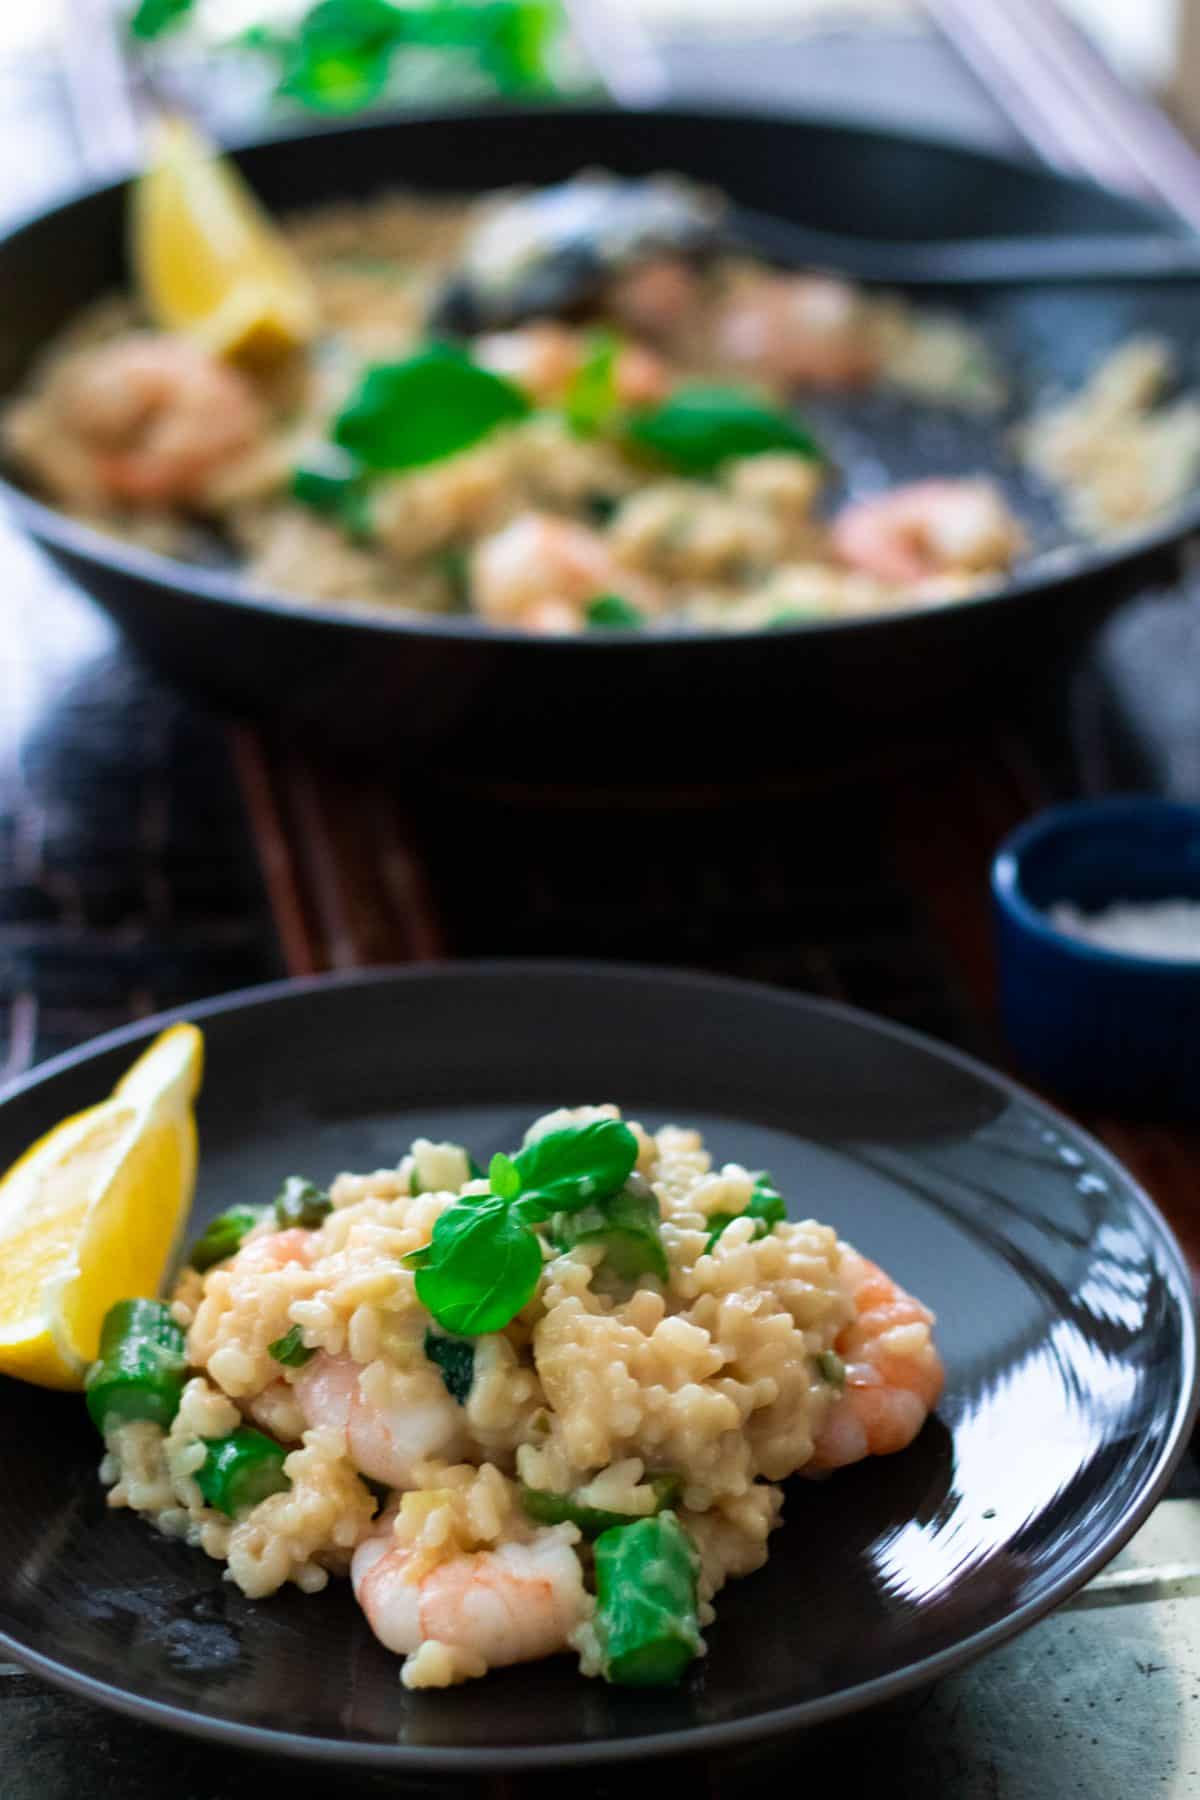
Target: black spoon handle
x,y
964,262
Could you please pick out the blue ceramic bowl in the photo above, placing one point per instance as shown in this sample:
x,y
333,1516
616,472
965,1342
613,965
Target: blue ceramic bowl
x,y
1094,1024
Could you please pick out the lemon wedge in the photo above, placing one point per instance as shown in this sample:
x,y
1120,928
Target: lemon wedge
x,y
92,1213
207,258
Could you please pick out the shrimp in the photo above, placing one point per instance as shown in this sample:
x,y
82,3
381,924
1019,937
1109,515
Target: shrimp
x,y
275,1251
894,1375
812,330
398,1419
544,358
513,1604
659,298
156,417
926,529
540,571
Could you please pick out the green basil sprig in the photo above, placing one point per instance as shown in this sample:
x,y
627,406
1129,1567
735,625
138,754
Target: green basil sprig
x,y
428,407
482,1264
766,1207
698,427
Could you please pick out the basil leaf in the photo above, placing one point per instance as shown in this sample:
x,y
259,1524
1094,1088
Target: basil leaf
x,y
454,1359
514,40
480,1268
591,401
504,1177
429,407
627,1224
698,428
609,612
564,1170
341,54
153,17
290,1349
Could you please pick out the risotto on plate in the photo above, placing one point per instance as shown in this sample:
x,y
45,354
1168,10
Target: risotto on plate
x,y
547,1408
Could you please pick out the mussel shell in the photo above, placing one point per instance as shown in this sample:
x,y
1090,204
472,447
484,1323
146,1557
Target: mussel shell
x,y
553,250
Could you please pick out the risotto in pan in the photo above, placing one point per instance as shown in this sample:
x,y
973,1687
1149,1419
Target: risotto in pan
x,y
558,410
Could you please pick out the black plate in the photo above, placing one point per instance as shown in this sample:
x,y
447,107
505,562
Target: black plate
x,y
474,691
1064,1313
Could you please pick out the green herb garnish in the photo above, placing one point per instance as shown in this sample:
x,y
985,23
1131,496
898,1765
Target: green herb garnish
x,y
482,1264
290,1349
832,1368
591,402
454,1359
153,17
340,57
564,1170
698,428
766,1206
609,612
431,406
480,1267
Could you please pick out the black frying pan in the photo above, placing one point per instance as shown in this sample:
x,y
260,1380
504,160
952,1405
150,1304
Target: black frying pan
x,y
461,691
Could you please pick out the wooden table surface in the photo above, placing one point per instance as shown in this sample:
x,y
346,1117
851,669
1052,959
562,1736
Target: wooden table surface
x,y
149,855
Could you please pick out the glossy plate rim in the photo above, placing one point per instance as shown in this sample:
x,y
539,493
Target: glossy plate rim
x,y
781,1720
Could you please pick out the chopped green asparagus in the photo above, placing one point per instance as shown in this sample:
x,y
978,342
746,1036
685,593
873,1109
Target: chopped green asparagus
x,y
766,1207
566,1509
240,1470
647,1617
223,1235
141,1368
301,1202
290,1349
626,1224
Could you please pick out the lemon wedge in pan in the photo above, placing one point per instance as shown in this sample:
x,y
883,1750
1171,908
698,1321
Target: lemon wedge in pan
x,y
92,1213
207,259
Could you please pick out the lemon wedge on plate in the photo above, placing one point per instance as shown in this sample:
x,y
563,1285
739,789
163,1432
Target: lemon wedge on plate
x,y
92,1213
207,258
